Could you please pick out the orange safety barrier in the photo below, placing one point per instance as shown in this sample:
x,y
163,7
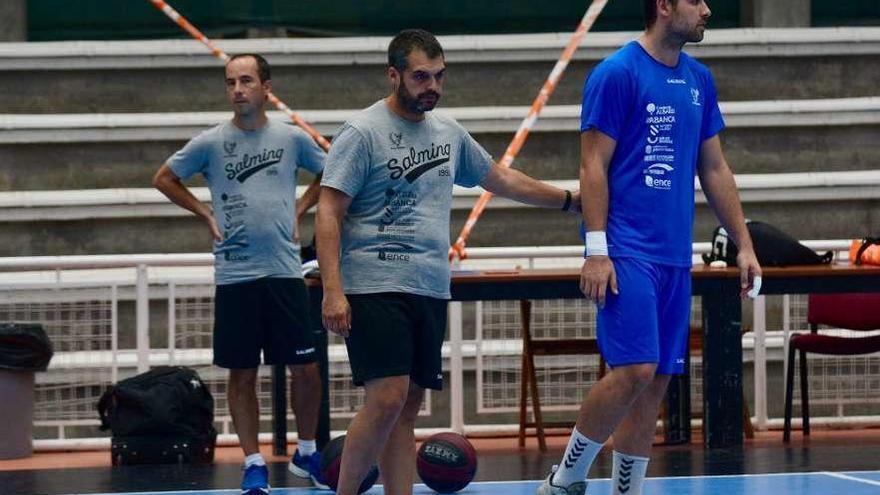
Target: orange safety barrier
x,y
198,35
519,139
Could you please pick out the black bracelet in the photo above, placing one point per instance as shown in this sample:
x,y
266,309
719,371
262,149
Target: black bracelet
x,y
567,204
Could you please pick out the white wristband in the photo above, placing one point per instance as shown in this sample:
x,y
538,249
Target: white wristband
x,y
756,287
596,244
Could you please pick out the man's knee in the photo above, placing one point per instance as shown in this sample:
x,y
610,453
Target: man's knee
x,y
244,377
241,381
387,396
658,386
413,404
305,372
638,376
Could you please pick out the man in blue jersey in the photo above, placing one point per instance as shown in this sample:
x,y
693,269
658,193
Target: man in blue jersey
x,y
261,306
650,122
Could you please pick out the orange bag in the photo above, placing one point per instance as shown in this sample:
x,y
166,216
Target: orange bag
x,y
865,251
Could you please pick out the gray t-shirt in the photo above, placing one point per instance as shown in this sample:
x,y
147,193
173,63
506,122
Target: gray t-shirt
x,y
399,174
252,177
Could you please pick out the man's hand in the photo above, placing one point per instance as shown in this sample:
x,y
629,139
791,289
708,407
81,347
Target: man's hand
x,y
748,270
336,313
597,275
212,226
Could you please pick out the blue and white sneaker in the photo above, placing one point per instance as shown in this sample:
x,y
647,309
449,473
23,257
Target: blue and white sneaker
x,y
255,480
308,467
548,488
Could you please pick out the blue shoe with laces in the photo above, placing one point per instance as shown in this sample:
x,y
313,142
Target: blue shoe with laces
x,y
255,480
308,467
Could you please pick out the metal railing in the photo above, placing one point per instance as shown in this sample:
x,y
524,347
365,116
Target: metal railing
x,y
138,279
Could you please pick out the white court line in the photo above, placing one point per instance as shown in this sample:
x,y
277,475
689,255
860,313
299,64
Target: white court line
x,y
507,482
236,490
696,476
851,478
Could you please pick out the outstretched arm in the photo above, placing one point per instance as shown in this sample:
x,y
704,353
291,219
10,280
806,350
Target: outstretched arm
x,y
719,186
513,184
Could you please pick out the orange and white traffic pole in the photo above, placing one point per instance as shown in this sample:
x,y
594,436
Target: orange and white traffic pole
x,y
519,139
198,35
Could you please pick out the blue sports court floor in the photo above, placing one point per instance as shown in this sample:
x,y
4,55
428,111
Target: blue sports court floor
x,y
838,462
817,483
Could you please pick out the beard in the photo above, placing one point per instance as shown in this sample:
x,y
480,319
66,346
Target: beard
x,y
688,33
685,34
696,35
420,103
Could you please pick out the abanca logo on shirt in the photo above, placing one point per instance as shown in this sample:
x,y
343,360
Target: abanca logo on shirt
x,y
415,164
249,165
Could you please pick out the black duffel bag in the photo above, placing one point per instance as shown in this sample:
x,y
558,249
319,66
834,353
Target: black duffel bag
x,y
24,347
773,247
163,415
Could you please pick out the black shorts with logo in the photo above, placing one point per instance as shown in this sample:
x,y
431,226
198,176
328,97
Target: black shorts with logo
x,y
267,314
395,334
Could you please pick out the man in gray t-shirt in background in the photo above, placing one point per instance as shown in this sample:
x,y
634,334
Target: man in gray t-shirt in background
x,y
383,239
261,304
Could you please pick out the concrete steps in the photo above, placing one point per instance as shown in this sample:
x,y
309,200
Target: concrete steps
x,y
82,151
180,75
84,116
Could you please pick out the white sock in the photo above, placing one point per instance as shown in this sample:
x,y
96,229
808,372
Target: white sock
x,y
306,447
628,474
254,460
576,460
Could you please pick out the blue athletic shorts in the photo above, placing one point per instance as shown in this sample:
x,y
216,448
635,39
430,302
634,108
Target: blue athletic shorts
x,y
649,321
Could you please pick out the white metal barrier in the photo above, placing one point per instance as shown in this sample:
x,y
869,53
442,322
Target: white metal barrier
x,y
87,296
30,206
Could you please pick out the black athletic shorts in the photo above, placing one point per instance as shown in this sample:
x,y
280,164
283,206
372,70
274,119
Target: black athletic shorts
x,y
269,315
395,334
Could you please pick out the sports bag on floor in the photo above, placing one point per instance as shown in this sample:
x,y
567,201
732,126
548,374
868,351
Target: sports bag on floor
x,y
163,415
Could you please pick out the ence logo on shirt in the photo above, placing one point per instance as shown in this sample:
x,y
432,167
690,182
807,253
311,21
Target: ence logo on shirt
x,y
417,163
655,176
249,165
394,251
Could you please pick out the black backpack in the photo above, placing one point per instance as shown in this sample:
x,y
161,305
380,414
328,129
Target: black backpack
x,y
163,415
24,347
773,247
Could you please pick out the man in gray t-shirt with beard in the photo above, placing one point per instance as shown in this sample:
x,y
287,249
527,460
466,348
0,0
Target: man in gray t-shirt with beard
x,y
383,239
399,174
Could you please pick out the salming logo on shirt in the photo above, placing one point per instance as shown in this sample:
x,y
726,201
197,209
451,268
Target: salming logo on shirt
x,y
396,138
251,164
415,163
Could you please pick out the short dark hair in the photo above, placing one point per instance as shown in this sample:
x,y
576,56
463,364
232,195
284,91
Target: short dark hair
x,y
408,39
651,12
263,70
